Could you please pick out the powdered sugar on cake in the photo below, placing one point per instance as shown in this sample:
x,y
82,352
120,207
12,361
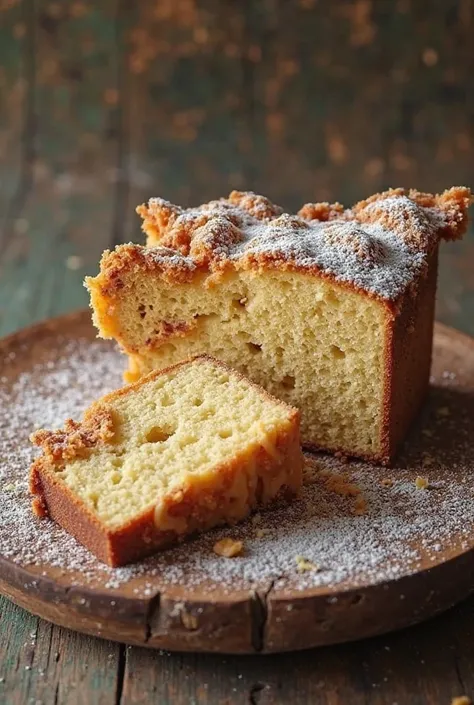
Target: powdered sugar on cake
x,y
351,525
380,245
366,256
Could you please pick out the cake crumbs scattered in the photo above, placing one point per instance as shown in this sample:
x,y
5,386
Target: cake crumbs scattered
x,y
260,533
422,483
228,547
341,485
303,564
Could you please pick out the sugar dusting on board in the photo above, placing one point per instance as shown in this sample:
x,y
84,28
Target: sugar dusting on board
x,y
353,523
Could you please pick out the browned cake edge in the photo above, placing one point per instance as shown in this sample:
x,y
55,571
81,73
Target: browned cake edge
x,y
140,537
408,354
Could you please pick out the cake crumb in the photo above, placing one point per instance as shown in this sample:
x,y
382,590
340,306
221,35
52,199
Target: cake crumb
x,y
303,564
421,483
341,485
386,482
227,547
260,533
461,700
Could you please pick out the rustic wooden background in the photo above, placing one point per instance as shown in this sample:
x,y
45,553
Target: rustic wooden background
x,y
103,104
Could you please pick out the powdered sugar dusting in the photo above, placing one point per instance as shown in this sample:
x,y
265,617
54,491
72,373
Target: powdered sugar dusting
x,y
398,525
368,256
381,246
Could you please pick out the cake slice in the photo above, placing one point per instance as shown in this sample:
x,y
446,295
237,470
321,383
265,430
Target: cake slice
x,y
183,450
330,310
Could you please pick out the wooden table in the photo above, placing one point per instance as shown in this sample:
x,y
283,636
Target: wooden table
x,y
104,104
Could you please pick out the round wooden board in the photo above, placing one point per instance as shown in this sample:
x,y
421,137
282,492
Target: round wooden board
x,y
266,616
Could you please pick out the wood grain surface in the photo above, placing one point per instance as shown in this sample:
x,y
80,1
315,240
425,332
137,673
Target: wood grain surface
x,y
102,105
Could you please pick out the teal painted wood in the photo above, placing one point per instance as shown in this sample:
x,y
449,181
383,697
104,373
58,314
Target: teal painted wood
x,y
56,232
42,664
426,665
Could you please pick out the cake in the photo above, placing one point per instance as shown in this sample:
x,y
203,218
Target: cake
x,y
330,310
182,450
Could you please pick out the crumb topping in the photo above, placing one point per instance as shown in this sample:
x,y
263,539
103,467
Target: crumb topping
x,y
380,245
77,439
228,547
303,564
422,483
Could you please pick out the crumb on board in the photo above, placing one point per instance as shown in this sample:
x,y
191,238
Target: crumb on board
x,y
421,483
341,485
260,533
227,547
303,564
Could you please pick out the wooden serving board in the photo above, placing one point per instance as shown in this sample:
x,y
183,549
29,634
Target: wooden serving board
x,y
180,603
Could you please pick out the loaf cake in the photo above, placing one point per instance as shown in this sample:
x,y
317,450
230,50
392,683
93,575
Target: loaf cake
x,y
330,310
182,450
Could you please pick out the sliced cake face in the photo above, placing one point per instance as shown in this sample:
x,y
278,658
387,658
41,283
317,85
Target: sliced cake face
x,y
331,310
315,345
187,449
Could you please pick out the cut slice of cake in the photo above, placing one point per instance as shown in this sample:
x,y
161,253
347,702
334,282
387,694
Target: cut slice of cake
x,y
330,310
183,450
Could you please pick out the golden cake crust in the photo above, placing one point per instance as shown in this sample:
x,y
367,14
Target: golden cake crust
x,y
189,507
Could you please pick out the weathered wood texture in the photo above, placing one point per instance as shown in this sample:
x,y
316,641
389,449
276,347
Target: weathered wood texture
x,y
103,104
426,665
